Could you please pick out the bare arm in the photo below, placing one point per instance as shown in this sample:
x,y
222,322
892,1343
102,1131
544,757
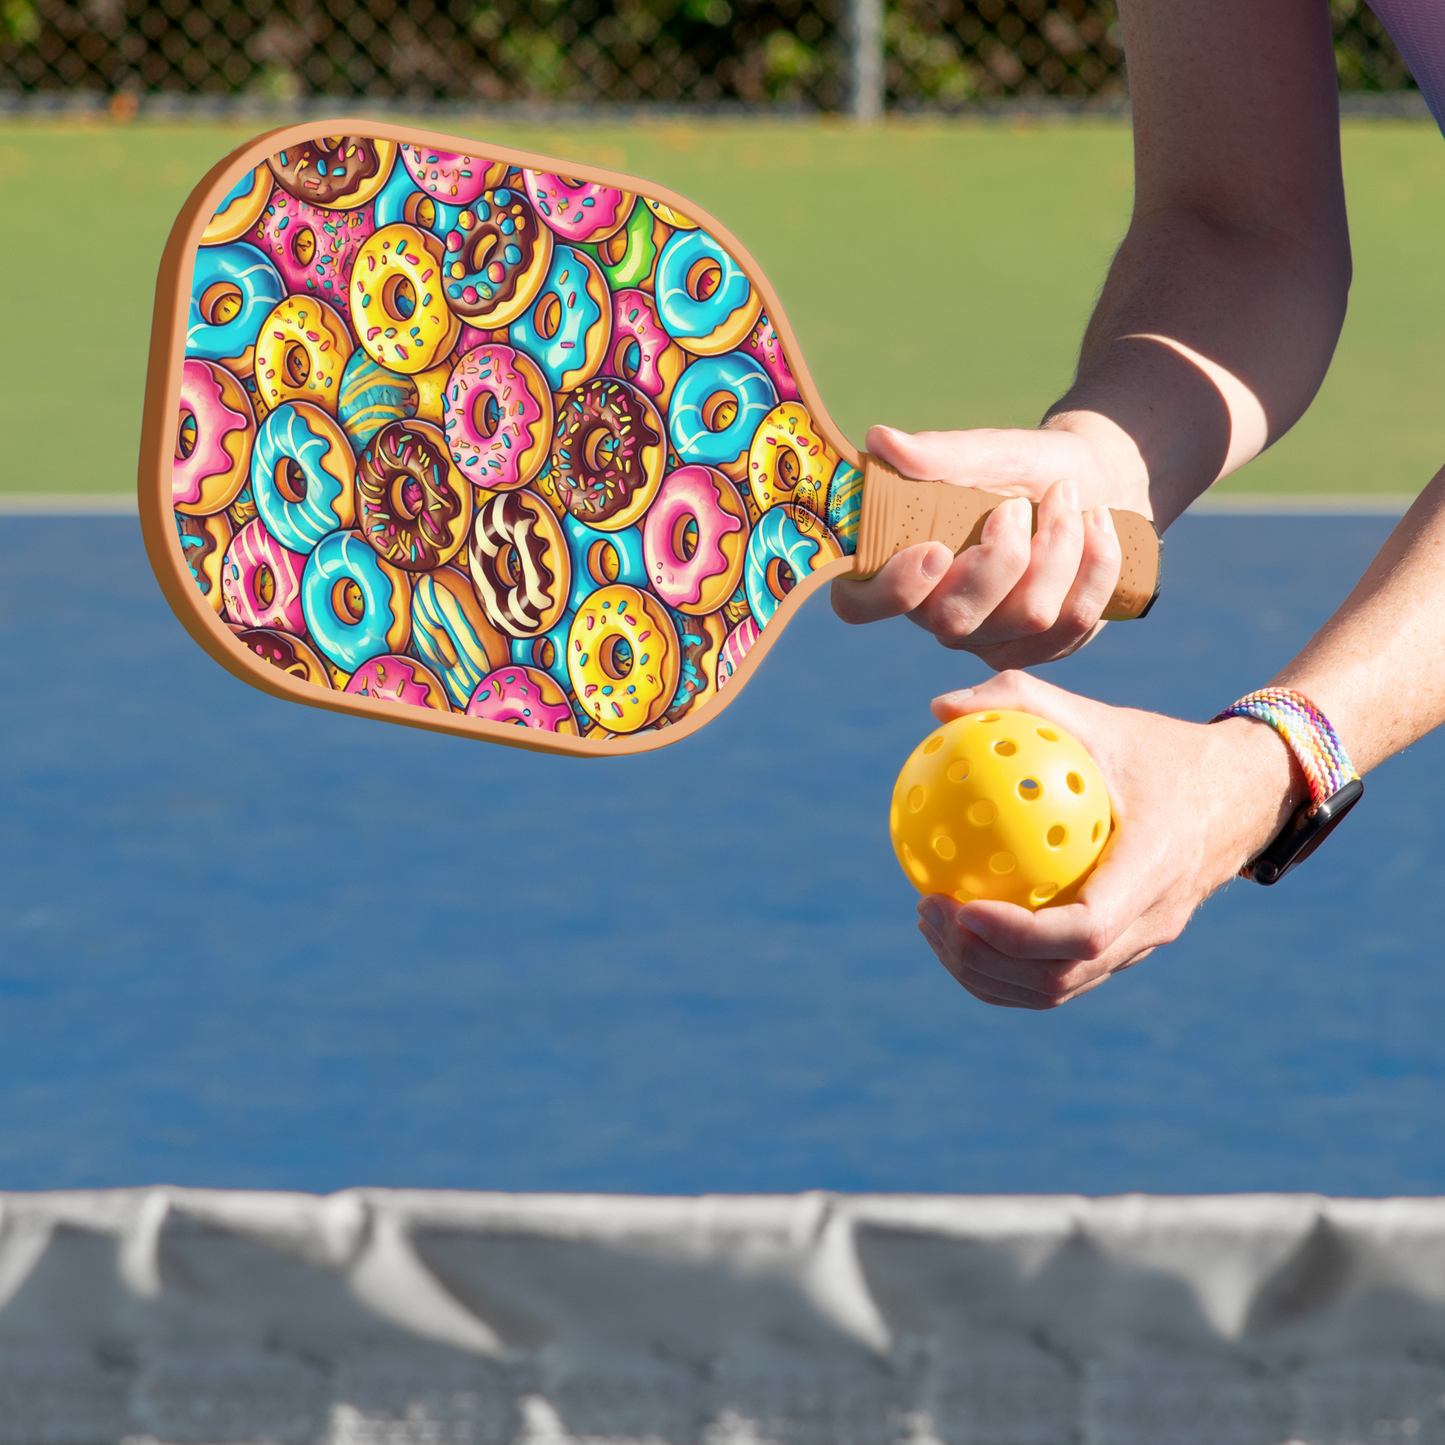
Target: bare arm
x,y
1212,334
1195,802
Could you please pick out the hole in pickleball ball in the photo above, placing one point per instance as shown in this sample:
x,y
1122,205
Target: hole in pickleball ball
x,y
987,717
1005,747
916,870
1057,836
615,655
916,798
958,770
290,479
703,279
982,813
296,364
347,601
719,411
1049,736
1044,892
963,895
1097,833
1002,863
221,303
1029,790
933,744
548,316
1075,782
945,847
303,246
186,436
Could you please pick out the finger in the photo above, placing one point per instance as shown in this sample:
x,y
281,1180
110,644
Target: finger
x,y
906,579
1034,604
1079,615
982,984
1012,689
980,577
1013,461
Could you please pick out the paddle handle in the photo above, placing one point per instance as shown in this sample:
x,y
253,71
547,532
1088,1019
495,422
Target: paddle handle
x,y
899,512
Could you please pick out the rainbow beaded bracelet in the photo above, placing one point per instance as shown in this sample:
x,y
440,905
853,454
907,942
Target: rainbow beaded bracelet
x,y
1309,735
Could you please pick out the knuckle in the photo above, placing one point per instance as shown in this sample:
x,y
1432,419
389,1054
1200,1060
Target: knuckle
x,y
1095,942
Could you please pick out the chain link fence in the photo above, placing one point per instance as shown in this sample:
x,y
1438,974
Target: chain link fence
x,y
936,54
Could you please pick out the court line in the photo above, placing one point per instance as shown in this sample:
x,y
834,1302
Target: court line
x,y
1302,504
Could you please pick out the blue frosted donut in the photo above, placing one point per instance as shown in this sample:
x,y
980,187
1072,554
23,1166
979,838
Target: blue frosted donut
x,y
303,475
221,273
736,374
567,328
357,607
781,553
601,558
704,297
370,396
451,634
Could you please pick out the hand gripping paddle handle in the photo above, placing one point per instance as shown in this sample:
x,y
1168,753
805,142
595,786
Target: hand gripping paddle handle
x,y
898,512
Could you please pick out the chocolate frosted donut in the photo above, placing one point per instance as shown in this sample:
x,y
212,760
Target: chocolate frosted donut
x,y
203,542
413,505
498,252
608,453
288,653
519,563
341,171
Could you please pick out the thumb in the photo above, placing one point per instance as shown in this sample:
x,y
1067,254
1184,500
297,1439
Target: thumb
x,y
984,457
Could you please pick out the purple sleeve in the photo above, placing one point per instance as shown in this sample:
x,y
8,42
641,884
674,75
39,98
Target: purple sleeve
x,y
1418,28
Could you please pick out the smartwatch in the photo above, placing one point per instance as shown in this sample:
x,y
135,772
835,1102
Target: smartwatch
x,y
1335,786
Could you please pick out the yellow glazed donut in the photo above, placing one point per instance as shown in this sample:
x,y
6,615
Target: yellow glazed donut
x,y
676,219
789,461
301,352
623,658
397,300
240,209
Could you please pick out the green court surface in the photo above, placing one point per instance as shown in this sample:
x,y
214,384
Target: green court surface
x,y
937,274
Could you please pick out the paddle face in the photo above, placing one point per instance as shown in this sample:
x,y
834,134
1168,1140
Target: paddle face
x,y
462,437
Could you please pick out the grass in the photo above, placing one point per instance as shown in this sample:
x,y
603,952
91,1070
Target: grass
x,y
937,275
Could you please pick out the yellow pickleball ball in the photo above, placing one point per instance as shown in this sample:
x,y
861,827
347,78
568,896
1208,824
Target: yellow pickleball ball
x,y
1000,805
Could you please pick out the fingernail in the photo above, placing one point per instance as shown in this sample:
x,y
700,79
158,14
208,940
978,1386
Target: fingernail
x,y
1103,520
1070,495
931,914
936,561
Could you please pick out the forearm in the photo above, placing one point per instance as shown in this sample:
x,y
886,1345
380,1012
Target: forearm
x,y
1377,667
1223,304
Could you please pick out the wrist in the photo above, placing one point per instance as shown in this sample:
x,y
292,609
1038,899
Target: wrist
x,y
1262,785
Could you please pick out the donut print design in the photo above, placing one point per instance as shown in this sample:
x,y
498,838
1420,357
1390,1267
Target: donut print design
x,y
467,438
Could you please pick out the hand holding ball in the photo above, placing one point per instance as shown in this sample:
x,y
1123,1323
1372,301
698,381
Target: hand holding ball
x,y
1000,805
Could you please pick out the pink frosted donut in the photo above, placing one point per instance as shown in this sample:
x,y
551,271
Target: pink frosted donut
x,y
524,696
736,646
498,417
398,679
698,501
214,436
261,581
578,210
641,351
312,248
763,345
457,179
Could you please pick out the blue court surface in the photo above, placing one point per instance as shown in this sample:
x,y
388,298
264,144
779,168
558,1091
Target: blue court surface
x,y
245,943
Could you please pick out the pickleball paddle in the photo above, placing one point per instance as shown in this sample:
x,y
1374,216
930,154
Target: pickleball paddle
x,y
457,436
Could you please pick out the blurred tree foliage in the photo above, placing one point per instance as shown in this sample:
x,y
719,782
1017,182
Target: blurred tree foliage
x,y
939,53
